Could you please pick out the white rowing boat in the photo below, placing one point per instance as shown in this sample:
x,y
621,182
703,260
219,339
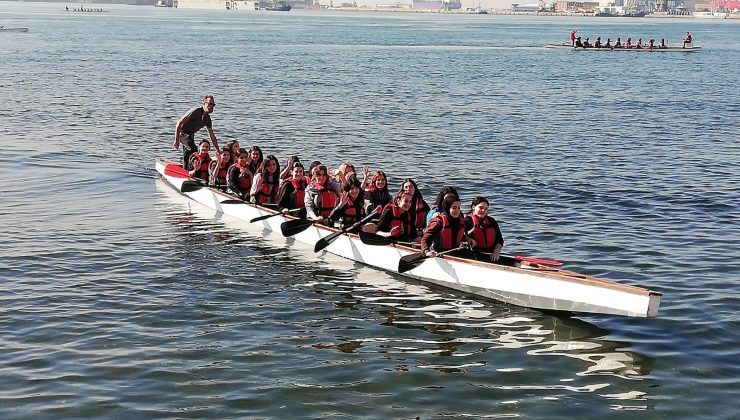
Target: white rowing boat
x,y
3,29
527,284
567,46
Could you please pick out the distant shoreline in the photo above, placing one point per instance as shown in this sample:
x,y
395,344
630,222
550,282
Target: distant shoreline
x,y
466,11
504,12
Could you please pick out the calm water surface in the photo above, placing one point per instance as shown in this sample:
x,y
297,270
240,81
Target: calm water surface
x,y
119,298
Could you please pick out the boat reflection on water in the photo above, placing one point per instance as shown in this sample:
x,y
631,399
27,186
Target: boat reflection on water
x,y
493,326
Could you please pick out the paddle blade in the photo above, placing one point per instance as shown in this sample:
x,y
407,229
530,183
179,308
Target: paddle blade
x,y
373,239
293,227
190,186
176,171
322,243
411,261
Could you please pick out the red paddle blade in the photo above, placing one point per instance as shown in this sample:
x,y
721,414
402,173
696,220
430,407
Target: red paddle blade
x,y
539,260
176,171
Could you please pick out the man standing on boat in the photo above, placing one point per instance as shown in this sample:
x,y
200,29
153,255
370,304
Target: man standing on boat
x,y
573,37
191,123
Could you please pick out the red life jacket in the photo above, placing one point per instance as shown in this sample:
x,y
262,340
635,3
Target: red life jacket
x,y
299,192
245,181
421,215
352,214
448,241
205,163
221,172
401,220
268,192
326,200
483,233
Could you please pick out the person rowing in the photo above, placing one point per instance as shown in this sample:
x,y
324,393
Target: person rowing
x,y
219,168
287,171
579,43
266,181
438,208
618,43
376,192
351,206
395,220
639,45
651,44
233,147
628,43
662,44
687,40
342,174
320,197
608,43
446,230
597,43
292,193
239,178
200,162
419,208
484,229
255,159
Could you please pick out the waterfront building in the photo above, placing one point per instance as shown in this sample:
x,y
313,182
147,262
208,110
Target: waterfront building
x,y
577,6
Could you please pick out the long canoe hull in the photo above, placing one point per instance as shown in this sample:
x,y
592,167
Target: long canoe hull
x,y
647,50
526,284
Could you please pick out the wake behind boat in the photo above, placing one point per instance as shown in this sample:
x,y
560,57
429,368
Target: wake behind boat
x,y
529,282
567,46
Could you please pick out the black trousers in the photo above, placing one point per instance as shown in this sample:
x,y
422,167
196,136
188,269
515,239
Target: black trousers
x,y
188,148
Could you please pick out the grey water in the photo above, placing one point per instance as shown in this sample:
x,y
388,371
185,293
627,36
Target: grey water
x,y
118,298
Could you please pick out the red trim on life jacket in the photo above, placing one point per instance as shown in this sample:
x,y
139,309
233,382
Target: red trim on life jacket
x,y
299,192
221,174
400,219
483,232
325,201
245,182
446,233
421,215
268,192
204,165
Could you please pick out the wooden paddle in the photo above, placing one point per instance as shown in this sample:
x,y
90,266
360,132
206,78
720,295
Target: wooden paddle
x,y
257,219
411,261
325,241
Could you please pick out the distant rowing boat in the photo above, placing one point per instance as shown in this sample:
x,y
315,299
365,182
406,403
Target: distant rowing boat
x,y
565,46
528,281
3,29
